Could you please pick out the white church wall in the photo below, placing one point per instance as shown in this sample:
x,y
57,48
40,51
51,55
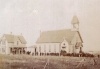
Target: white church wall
x,y
77,50
48,47
70,49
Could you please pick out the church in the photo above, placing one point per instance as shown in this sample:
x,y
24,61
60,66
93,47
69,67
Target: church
x,y
68,40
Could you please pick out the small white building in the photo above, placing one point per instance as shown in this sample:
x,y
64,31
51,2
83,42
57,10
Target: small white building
x,y
55,41
32,49
12,44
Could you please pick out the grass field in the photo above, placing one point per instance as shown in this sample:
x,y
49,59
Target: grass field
x,y
38,62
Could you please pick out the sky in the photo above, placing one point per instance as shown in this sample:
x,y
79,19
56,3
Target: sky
x,y
29,17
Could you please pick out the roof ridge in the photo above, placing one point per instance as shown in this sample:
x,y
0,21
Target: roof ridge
x,y
56,30
13,34
56,35
12,38
8,34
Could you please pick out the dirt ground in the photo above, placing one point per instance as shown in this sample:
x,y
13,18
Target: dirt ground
x,y
47,62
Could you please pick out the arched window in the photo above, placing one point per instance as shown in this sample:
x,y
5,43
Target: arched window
x,y
64,44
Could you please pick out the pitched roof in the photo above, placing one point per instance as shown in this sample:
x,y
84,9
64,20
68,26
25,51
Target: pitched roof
x,y
22,39
11,38
74,20
56,36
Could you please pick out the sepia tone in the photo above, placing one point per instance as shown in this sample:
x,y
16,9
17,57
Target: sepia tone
x,y
49,34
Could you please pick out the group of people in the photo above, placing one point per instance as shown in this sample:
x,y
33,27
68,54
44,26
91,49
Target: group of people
x,y
28,52
18,51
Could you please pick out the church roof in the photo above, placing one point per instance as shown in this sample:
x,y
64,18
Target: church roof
x,y
11,38
56,36
75,20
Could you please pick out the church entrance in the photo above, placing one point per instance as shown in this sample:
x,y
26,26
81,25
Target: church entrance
x,y
63,50
64,47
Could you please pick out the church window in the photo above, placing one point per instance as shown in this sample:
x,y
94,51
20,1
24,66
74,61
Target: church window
x,y
63,47
77,45
44,48
64,44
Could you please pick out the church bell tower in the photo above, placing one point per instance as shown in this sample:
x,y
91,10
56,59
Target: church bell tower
x,y
75,24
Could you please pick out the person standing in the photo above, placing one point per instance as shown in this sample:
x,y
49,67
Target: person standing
x,y
98,55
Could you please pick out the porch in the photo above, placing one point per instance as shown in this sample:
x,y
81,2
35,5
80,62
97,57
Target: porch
x,y
18,50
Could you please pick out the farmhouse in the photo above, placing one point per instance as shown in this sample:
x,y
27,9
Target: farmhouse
x,y
68,40
12,44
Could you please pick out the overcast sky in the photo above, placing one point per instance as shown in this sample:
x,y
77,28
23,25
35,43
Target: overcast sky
x,y
30,16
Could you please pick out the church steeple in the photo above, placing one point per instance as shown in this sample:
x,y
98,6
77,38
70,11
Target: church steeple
x,y
75,23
